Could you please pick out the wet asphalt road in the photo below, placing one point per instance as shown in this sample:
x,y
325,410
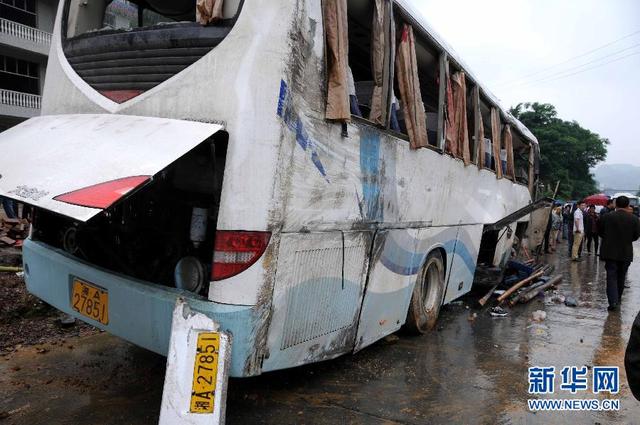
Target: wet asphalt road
x,y
472,372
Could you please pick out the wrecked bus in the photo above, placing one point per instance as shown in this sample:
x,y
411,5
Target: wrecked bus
x,y
180,155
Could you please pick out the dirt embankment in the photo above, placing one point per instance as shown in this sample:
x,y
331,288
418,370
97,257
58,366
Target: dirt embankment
x,y
24,319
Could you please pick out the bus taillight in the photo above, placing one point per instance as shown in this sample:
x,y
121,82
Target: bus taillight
x,y
236,251
103,195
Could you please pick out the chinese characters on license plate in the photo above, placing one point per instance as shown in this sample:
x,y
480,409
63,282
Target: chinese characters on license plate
x,y
90,301
205,372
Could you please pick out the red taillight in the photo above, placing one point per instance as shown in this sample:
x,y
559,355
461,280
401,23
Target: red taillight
x,y
102,195
234,252
121,96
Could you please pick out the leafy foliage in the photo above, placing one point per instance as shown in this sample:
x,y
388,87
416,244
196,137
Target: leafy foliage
x,y
567,150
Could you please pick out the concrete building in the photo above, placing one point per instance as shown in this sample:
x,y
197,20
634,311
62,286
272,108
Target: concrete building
x,y
25,37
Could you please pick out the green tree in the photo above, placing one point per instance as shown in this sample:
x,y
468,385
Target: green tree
x,y
567,151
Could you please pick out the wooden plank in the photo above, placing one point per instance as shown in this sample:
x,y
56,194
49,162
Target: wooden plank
x,y
442,94
7,241
519,285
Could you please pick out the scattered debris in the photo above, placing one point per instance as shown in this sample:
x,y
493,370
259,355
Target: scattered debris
x,y
521,282
539,316
472,317
498,312
519,285
538,288
66,321
5,240
10,269
570,302
558,298
390,339
484,299
13,231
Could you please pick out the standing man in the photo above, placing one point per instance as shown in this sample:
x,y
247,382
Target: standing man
x,y
591,223
566,222
618,229
609,208
578,231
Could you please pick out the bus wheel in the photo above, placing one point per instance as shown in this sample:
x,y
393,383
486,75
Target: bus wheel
x,y
427,296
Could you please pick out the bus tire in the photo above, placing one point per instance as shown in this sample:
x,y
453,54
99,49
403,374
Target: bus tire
x,y
426,299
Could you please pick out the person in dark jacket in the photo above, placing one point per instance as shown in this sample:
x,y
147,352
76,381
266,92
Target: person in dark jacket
x,y
618,229
632,359
591,223
566,222
611,206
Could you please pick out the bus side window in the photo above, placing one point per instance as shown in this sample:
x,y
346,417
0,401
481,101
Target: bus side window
x,y
370,34
521,158
428,64
361,76
485,111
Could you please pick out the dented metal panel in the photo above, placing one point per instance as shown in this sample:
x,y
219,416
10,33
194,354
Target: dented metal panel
x,y
62,153
397,259
317,297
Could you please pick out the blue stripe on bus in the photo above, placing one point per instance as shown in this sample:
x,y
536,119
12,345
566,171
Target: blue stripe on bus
x,y
370,175
407,263
294,123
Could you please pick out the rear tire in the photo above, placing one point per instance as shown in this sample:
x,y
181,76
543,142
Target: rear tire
x,y
426,299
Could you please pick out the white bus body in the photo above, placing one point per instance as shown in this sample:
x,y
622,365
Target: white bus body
x,y
349,221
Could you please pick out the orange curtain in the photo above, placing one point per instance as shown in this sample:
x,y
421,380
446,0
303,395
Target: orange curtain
x,y
495,139
451,133
337,55
508,145
208,11
378,48
412,106
460,116
480,142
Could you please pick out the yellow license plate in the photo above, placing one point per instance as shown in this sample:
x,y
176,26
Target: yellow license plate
x,y
90,301
205,372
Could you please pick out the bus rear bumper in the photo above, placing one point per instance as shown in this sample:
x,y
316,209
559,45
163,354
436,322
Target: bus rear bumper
x,y
139,312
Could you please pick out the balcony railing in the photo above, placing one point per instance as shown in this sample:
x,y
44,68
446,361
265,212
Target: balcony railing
x,y
24,32
16,98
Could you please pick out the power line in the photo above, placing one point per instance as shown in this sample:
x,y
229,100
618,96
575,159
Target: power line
x,y
577,67
568,60
544,80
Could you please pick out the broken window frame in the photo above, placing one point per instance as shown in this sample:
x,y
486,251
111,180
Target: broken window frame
x,y
476,97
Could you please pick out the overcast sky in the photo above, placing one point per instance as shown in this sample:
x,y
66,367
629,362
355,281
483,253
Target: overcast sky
x,y
517,49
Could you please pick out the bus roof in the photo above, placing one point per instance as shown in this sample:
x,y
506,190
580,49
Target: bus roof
x,y
418,20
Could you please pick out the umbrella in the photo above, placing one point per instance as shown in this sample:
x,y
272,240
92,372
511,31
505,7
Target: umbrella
x,y
599,199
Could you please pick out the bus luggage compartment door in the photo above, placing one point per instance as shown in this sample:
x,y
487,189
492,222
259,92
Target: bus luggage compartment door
x,y
317,296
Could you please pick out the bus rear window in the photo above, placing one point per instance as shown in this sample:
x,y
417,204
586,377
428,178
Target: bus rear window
x,y
123,14
103,15
123,48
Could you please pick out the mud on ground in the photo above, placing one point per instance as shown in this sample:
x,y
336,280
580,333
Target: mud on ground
x,y
24,319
